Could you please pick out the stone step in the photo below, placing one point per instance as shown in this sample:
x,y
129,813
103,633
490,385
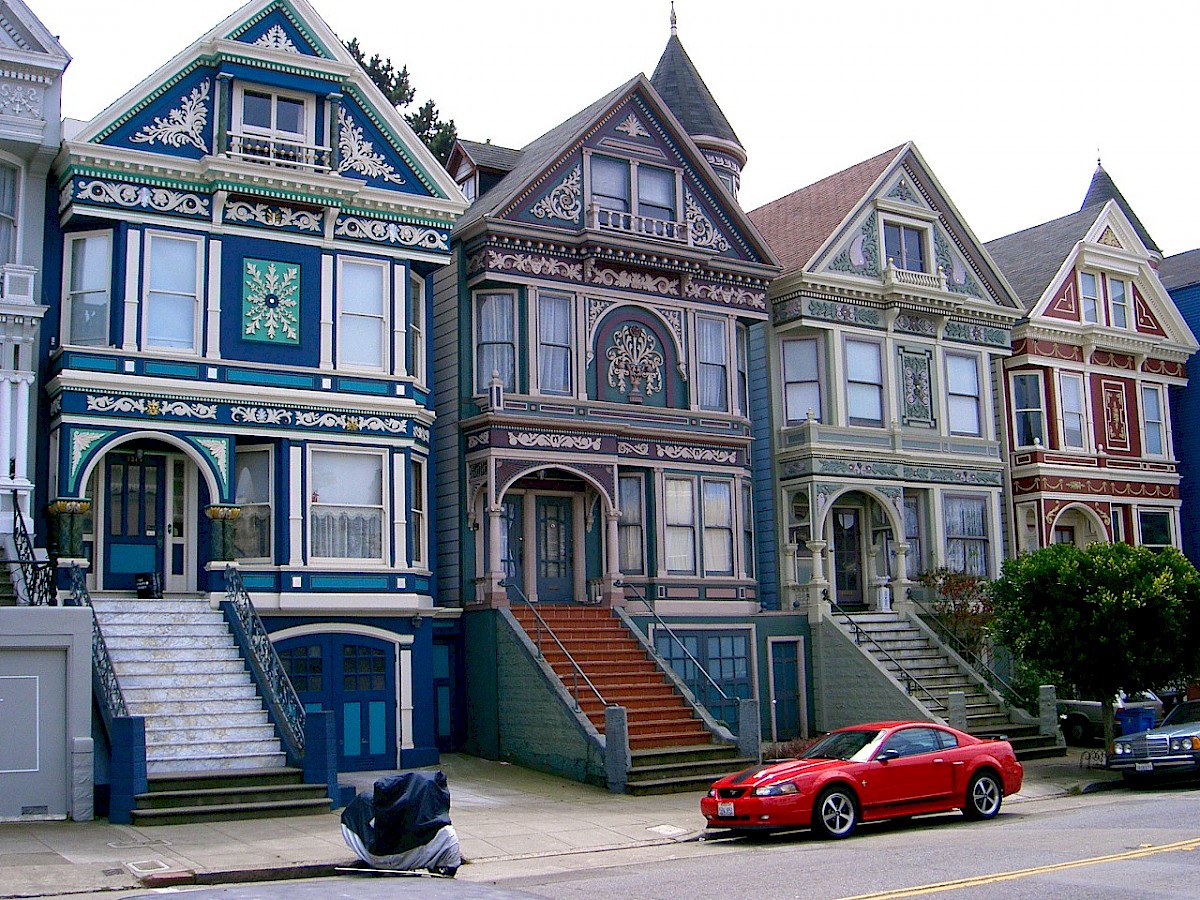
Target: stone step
x,y
156,721
125,654
152,608
230,812
158,693
186,665
227,763
165,732
213,748
168,680
196,617
143,629
154,643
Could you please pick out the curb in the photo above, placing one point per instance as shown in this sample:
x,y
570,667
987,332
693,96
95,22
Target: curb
x,y
242,876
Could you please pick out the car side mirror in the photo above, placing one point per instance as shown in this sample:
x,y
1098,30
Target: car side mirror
x,y
888,755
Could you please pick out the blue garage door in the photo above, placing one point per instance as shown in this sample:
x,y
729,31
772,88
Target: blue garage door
x,y
353,676
725,655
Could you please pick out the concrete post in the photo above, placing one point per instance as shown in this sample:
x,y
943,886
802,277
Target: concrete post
x,y
1047,710
83,766
320,752
128,767
749,729
617,758
956,715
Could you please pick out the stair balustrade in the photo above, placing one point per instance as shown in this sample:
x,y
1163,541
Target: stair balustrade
x,y
576,672
38,574
912,684
265,664
105,684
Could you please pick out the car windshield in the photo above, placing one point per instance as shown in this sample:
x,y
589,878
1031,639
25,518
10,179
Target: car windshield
x,y
1184,714
841,744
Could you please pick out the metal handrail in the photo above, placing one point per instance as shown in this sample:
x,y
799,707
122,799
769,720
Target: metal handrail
x,y
266,661
991,676
910,680
104,677
576,671
37,574
675,638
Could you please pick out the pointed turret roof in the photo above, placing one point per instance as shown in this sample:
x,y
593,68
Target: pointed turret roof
x,y
688,97
1101,190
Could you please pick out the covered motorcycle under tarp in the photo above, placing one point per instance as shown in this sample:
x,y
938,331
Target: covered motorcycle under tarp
x,y
404,824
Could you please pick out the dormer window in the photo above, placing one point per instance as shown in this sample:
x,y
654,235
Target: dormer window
x,y
1089,296
633,197
904,246
1118,303
275,127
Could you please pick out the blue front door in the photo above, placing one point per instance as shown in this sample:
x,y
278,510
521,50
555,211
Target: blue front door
x,y
353,676
555,547
512,546
134,512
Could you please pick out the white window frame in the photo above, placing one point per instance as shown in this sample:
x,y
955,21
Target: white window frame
x,y
418,359
1127,294
483,379
1041,408
787,381
309,117
624,527
921,230
197,293
269,504
68,294
748,555
383,318
724,532
1159,425
542,344
1095,299
419,512
880,386
976,398
985,540
741,337
1141,526
634,210
691,526
312,502
1081,414
13,218
706,369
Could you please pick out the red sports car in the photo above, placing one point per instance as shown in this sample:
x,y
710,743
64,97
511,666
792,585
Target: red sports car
x,y
865,773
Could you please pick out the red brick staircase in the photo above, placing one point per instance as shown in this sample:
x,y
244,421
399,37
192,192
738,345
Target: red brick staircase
x,y
672,749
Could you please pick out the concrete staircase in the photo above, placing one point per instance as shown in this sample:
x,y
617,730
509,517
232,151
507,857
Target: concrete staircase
x,y
905,649
181,670
672,750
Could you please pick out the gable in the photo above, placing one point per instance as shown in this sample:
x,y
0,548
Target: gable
x,y
635,133
175,120
370,153
278,27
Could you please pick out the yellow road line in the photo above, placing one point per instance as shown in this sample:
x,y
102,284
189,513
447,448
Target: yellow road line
x,y
980,880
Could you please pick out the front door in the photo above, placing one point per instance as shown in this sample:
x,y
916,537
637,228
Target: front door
x,y
555,549
135,527
787,714
848,556
512,546
354,676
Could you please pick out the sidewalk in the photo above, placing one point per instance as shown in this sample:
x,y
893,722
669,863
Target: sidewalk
x,y
501,813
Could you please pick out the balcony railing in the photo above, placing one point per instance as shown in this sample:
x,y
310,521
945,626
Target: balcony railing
x,y
278,151
893,277
638,226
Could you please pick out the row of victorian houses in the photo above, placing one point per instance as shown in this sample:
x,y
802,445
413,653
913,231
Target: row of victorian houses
x,y
257,343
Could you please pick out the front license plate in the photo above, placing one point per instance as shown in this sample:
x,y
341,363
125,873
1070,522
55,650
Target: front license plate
x,y
725,810
1143,767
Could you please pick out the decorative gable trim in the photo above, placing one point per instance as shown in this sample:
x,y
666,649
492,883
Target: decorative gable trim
x,y
564,201
318,48
184,124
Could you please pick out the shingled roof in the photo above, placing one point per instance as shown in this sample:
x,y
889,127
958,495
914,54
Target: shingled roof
x,y
687,96
1101,190
1031,258
797,225
491,156
1180,270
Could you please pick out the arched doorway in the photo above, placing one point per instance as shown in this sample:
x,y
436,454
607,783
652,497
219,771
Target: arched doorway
x,y
1077,525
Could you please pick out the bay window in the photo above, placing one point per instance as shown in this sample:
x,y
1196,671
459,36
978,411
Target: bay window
x,y
962,389
554,343
362,314
419,514
416,328
801,380
967,535
1073,417
681,526
631,527
172,300
1154,427
88,288
1118,303
254,490
1028,418
713,359
495,340
718,527
1089,296
864,383
634,196
274,127
346,509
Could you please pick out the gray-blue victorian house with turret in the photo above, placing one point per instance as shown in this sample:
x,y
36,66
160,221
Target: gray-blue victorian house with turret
x,y
593,437
238,382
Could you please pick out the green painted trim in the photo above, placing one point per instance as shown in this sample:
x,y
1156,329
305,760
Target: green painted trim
x,y
269,378
403,151
396,217
359,582
292,16
163,88
174,370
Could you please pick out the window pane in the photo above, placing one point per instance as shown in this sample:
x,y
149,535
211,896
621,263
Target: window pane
x,y
172,265
170,321
347,478
862,362
962,374
256,110
656,193
863,401
1088,296
964,415
253,476
361,288
289,116
711,349
891,244
800,360
610,183
914,254
554,334
361,341
89,263
1156,529
1120,310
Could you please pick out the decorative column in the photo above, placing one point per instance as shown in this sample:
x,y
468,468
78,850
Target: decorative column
x,y
791,583
66,537
818,605
494,593
614,593
223,523
901,584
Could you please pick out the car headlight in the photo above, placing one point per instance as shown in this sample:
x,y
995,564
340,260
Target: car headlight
x,y
1121,749
776,790
712,792
1185,744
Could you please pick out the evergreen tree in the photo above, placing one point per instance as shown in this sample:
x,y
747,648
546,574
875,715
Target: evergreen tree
x,y
426,122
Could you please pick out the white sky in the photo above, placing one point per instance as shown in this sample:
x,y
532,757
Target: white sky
x,y
1009,103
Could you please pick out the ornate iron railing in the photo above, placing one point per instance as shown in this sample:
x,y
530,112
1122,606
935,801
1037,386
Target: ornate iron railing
x,y
38,574
282,697
912,684
104,677
278,151
576,672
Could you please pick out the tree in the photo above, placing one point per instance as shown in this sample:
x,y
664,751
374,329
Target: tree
x,y
437,135
1099,621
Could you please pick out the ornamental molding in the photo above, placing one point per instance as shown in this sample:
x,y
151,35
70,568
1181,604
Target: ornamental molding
x,y
842,312
727,294
631,126
83,441
216,449
140,196
183,125
528,264
936,475
19,100
359,154
150,406
976,334
565,201
696,454
958,279
382,232
701,228
673,317
553,441
861,257
260,415
271,302
352,423
864,469
903,192
638,281
913,324
275,38
477,440
1108,239
916,399
272,216
627,449
633,362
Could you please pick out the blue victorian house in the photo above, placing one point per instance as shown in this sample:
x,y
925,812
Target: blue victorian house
x,y
238,391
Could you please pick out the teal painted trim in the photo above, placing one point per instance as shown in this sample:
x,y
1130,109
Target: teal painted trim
x,y
258,582
421,585
421,397
173,370
349,582
92,364
199,62
363,387
289,12
270,378
218,451
405,154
